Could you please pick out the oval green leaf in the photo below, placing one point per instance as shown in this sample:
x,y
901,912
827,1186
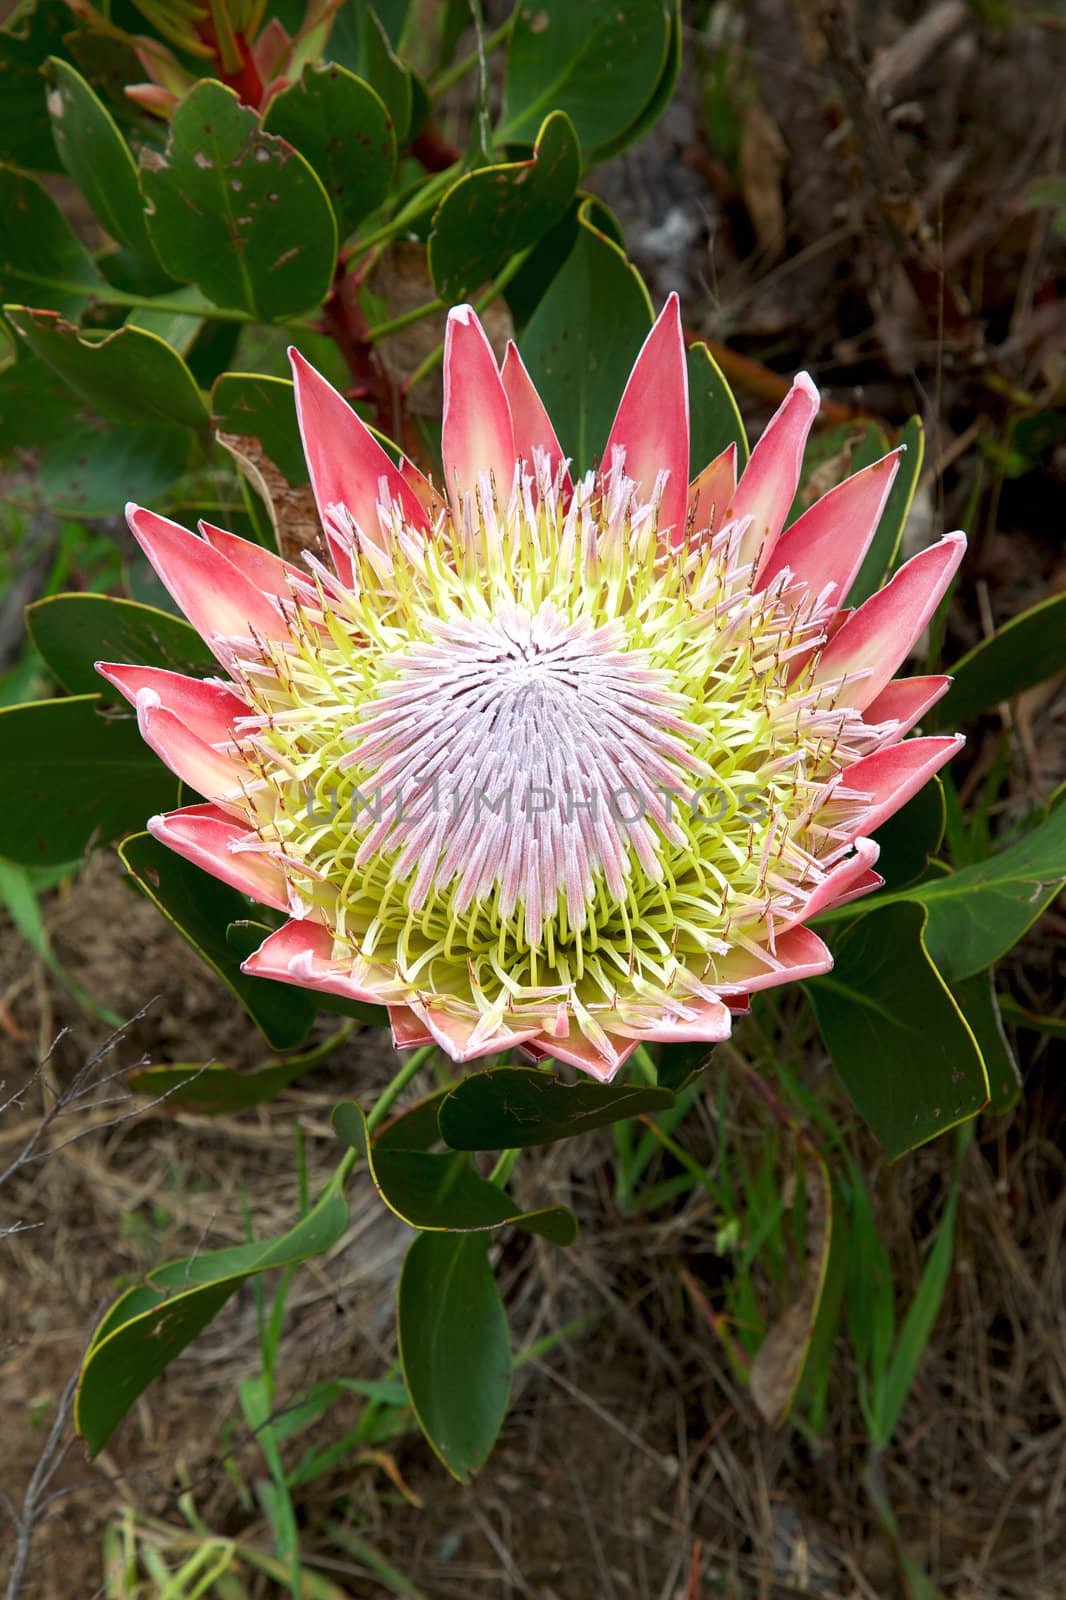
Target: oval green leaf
x,y
897,1038
980,912
202,908
1025,651
40,257
583,337
340,125
214,1090
980,1006
238,211
387,74
151,1324
442,1192
881,557
28,37
601,62
129,375
36,407
74,631
493,213
72,776
455,1349
513,1107
97,157
257,407
97,466
714,416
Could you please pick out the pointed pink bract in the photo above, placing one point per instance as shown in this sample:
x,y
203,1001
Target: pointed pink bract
x,y
882,632
798,953
652,423
891,776
345,461
713,491
210,772
262,567
769,482
532,425
207,709
218,599
204,835
906,700
824,547
302,952
477,432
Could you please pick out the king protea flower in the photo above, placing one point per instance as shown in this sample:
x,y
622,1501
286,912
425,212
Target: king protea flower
x,y
552,764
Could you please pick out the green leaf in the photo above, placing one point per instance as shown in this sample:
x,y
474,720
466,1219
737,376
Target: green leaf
x,y
414,1128
148,1326
74,631
917,1329
492,214
238,211
884,548
583,337
443,1192
897,1038
661,95
601,62
258,407
976,997
170,320
388,75
679,1065
40,258
871,1300
538,271
910,838
97,466
129,375
340,125
97,157
27,39
455,1349
36,407
714,417
795,1351
202,908
214,1090
980,912
72,776
513,1107
1025,651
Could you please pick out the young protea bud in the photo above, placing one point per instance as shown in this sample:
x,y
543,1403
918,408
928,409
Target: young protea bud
x,y
552,764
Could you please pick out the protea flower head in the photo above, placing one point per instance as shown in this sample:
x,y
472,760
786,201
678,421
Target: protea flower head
x,y
551,763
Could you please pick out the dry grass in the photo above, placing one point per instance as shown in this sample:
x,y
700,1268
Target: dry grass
x,y
633,1463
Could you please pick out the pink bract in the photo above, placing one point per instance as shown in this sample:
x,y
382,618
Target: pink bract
x,y
548,763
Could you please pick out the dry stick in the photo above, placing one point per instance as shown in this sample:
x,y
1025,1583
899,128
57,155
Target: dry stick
x,y
35,1502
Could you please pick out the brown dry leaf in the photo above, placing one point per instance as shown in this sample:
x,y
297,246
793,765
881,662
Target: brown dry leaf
x,y
779,1362
763,163
292,510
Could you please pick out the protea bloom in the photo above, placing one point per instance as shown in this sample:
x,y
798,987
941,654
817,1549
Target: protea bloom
x,y
553,764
